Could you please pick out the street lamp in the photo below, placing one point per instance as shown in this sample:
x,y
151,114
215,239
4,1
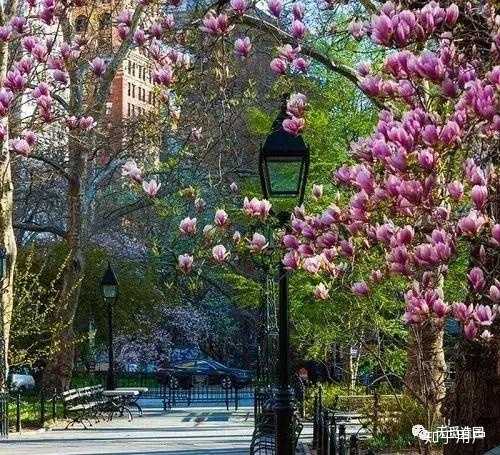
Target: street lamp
x,y
283,170
109,288
4,419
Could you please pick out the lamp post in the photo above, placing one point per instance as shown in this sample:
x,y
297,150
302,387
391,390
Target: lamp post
x,y
283,170
109,288
3,359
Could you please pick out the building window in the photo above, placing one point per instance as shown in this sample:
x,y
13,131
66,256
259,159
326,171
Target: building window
x,y
128,109
129,69
133,69
133,91
129,89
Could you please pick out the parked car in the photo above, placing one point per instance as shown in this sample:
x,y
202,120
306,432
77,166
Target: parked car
x,y
21,380
205,370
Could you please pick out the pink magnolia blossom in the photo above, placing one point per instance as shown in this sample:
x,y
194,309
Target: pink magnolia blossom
x,y
471,224
236,237
298,29
239,6
462,312
312,264
233,187
242,47
296,105
495,234
188,226
470,330
298,10
483,315
279,66
291,260
300,65
275,7
494,293
288,53
360,289
221,218
476,279
215,25
357,29
293,125
219,253
185,262
452,13
317,191
151,188
6,97
321,292
199,204
98,66
20,146
258,243
130,169
479,195
87,123
455,190
257,208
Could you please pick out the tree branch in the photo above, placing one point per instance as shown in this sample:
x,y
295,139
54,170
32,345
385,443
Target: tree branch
x,y
328,63
33,227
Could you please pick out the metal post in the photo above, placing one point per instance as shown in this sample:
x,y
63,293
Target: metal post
x,y
18,412
42,407
283,407
315,422
110,380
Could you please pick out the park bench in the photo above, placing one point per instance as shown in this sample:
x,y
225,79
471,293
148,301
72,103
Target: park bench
x,y
83,404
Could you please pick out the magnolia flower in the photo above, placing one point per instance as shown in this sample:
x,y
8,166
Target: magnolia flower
x,y
298,29
476,279
258,243
275,7
321,292
455,190
317,191
188,226
257,208
20,146
300,65
291,260
360,289
313,264
483,315
215,25
236,237
131,170
195,135
221,218
239,6
242,47
199,204
357,29
470,330
495,234
87,123
185,262
233,187
494,293
298,10
293,125
151,188
479,195
296,105
98,66
219,253
278,65
462,312
472,224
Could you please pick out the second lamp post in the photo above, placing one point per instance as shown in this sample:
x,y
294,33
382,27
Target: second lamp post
x,y
109,287
283,170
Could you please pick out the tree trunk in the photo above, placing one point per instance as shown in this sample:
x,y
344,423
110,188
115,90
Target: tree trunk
x,y
474,401
8,243
426,369
58,372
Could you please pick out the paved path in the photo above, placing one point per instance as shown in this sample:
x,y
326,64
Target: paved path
x,y
188,431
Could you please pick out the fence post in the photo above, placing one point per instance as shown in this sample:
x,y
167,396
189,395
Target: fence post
x,y
315,422
42,407
325,431
353,445
236,397
333,435
54,405
342,440
376,412
18,412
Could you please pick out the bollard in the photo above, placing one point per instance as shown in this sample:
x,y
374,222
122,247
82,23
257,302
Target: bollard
x,y
236,397
18,412
42,408
54,406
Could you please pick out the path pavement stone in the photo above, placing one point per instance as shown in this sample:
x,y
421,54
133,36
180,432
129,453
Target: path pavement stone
x,y
188,431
